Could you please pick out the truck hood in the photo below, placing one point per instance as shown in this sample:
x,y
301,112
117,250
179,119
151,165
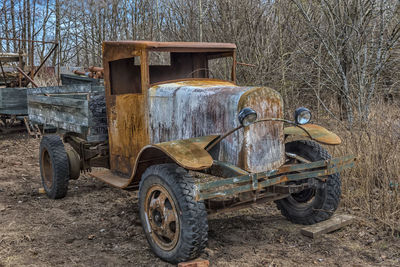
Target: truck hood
x,y
194,108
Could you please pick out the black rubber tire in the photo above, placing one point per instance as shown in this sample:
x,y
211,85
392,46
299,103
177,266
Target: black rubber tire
x,y
326,196
58,173
192,214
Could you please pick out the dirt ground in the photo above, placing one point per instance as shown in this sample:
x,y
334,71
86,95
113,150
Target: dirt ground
x,y
96,225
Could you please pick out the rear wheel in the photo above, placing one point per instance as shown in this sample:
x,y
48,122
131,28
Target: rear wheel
x,y
175,224
317,203
54,166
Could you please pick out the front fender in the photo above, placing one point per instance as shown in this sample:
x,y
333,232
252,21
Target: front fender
x,y
189,153
314,132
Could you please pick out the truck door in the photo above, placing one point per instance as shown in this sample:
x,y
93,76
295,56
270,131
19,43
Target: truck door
x,y
126,82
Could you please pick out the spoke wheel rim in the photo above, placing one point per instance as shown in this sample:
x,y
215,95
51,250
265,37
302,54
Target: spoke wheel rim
x,y
47,169
306,196
162,215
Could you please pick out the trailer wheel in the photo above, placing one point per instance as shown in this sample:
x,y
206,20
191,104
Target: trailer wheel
x,y
54,166
316,204
175,224
74,164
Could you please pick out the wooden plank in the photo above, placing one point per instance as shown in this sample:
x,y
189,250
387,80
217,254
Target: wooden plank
x,y
51,113
59,101
30,80
69,89
9,112
69,127
334,223
195,263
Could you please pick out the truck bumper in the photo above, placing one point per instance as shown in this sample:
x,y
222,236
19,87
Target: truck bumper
x,y
286,173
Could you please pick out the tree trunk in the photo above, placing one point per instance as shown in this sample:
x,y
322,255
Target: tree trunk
x,y
57,34
6,30
13,30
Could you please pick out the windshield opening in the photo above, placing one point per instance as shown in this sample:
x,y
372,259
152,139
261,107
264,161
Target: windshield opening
x,y
180,66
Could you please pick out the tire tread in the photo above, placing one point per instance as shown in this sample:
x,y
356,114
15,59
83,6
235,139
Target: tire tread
x,y
333,189
193,212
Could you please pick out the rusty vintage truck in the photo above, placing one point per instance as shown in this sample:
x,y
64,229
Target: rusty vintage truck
x,y
191,142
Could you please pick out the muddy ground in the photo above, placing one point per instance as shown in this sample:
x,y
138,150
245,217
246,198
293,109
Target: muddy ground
x,y
96,225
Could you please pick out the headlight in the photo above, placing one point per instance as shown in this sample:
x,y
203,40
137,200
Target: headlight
x,y
247,116
302,115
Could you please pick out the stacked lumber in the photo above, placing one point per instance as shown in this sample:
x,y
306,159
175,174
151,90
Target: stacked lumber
x,y
10,57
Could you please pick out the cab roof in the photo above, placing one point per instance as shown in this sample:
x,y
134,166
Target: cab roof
x,y
174,46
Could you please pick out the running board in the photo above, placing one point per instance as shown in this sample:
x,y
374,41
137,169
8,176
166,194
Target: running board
x,y
113,179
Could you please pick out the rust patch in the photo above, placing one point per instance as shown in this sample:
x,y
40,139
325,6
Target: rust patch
x,y
198,82
316,132
173,46
283,179
284,169
189,153
127,131
255,157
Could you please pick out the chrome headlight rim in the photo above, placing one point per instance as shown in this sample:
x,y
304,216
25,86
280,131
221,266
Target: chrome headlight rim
x,y
247,116
302,115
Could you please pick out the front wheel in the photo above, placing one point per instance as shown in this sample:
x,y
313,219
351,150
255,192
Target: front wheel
x,y
314,204
175,224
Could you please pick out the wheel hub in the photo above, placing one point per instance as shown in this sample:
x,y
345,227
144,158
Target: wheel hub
x,y
305,195
157,218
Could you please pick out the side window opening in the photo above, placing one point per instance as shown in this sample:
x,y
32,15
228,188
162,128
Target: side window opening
x,y
125,76
157,58
220,68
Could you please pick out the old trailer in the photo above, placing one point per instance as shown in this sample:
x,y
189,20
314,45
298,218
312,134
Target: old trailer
x,y
13,102
13,107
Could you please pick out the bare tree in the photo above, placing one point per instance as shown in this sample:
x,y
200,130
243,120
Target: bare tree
x,y
357,37
321,50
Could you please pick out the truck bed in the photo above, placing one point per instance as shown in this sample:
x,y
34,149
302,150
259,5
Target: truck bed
x,y
77,108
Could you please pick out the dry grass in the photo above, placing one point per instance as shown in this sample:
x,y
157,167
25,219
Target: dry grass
x,y
46,79
371,189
